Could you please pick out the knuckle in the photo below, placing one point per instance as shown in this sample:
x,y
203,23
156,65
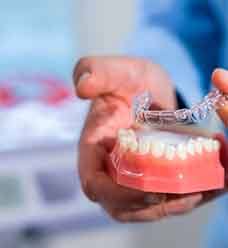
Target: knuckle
x,y
161,212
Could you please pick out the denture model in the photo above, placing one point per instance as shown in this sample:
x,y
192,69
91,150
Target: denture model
x,y
165,161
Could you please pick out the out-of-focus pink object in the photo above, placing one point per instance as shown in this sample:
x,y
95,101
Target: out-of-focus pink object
x,y
39,110
44,88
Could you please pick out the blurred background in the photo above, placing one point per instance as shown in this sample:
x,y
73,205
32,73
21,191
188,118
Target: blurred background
x,y
41,204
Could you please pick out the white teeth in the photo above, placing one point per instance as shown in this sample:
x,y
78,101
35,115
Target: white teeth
x,y
157,149
128,140
133,145
208,145
198,147
191,147
125,142
131,133
144,146
216,145
181,151
122,133
200,139
126,133
170,152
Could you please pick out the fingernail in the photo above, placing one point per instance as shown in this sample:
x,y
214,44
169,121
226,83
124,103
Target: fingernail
x,y
220,70
83,77
223,70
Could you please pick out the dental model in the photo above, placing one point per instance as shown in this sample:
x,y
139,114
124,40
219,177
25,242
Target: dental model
x,y
166,162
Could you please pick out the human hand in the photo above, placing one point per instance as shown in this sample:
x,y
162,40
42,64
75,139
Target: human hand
x,y
220,80
112,82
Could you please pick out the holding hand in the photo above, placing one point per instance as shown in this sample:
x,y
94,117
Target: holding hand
x,y
112,82
220,80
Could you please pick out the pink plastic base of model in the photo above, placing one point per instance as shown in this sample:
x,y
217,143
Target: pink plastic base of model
x,y
138,172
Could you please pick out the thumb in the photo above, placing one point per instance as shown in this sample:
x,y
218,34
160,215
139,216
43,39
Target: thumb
x,y
220,80
97,76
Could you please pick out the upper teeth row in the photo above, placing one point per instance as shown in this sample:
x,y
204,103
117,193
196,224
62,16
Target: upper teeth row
x,y
144,145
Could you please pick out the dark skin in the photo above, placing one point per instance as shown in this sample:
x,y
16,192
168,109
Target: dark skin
x,y
111,83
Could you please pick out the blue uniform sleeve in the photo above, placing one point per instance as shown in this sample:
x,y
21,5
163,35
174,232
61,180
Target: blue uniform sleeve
x,y
161,47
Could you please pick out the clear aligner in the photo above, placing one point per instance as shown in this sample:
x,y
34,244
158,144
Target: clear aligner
x,y
213,101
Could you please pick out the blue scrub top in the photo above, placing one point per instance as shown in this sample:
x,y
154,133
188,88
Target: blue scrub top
x,y
189,38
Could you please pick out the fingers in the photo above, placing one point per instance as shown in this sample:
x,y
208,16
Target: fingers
x,y
98,185
159,211
104,119
122,77
97,76
125,204
223,114
223,150
220,80
213,194
223,155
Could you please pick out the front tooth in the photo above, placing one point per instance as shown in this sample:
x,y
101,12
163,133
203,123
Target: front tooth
x,y
170,152
191,147
200,139
181,151
207,144
144,146
157,149
198,147
216,145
